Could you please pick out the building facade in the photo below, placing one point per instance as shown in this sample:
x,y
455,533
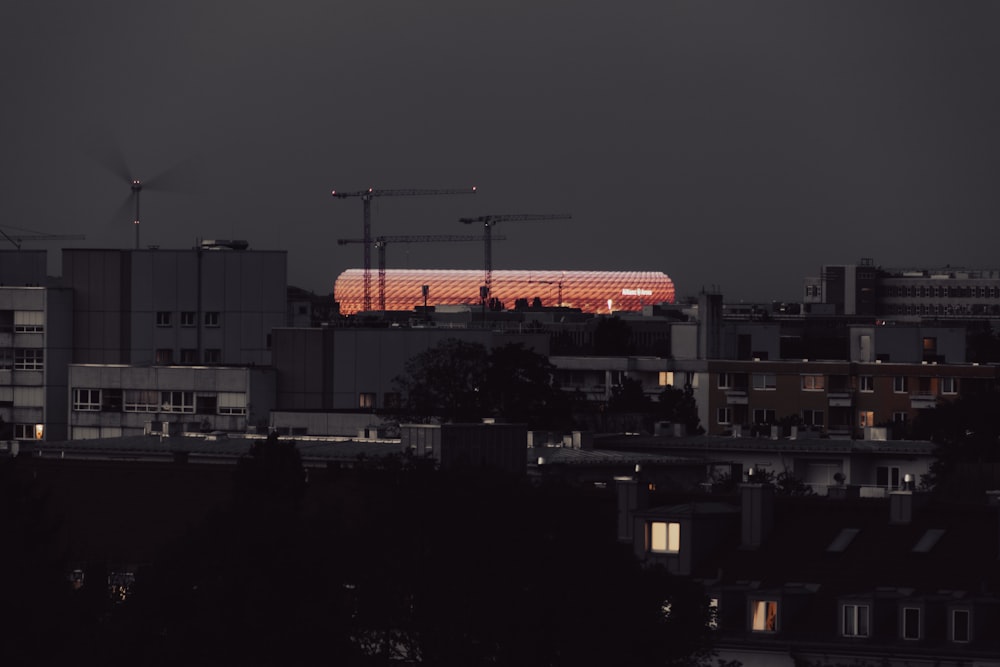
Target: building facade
x,y
35,348
205,305
109,401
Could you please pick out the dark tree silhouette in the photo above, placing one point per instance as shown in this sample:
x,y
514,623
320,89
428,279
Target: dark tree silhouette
x,y
679,406
967,438
445,381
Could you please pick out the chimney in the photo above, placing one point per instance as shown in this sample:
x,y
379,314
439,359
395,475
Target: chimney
x,y
757,504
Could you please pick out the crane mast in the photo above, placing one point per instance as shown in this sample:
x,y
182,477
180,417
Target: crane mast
x,y
366,200
488,221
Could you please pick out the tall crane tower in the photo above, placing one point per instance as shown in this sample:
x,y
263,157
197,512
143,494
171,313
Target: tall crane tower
x,y
19,236
366,199
382,241
489,220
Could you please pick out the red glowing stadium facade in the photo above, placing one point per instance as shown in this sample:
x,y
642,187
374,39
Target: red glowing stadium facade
x,y
590,291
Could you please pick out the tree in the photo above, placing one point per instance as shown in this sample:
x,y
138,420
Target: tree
x,y
680,407
966,435
445,381
629,397
462,382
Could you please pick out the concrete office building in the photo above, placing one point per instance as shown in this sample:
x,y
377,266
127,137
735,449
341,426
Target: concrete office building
x,y
866,289
215,304
35,347
109,401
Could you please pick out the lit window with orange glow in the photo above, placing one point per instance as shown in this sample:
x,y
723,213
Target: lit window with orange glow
x,y
765,615
39,431
664,537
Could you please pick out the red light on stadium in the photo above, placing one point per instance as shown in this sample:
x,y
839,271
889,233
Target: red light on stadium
x,y
590,291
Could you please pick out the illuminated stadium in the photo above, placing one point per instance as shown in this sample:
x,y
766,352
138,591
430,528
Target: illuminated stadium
x,y
590,291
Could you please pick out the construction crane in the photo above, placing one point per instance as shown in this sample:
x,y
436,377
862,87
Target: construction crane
x,y
366,199
19,237
489,220
382,241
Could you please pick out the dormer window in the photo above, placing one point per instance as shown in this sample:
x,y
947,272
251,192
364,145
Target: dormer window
x,y
960,625
855,620
664,537
911,623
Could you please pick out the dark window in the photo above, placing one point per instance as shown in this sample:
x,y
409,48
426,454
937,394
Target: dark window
x,y
189,356
212,319
213,356
163,318
111,400
206,405
164,356
188,318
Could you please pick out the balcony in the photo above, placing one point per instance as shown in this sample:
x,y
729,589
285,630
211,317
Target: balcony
x,y
839,399
922,401
736,397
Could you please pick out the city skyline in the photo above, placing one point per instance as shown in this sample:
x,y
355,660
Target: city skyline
x,y
726,145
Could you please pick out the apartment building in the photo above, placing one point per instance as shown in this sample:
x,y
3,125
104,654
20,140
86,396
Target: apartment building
x,y
823,581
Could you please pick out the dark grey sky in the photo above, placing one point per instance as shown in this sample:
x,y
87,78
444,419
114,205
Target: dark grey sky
x,y
740,144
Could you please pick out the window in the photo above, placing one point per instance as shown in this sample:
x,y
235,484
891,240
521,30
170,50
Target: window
x,y
763,381
177,401
28,431
866,418
855,620
900,417
725,380
29,359
189,356
664,537
6,359
866,383
887,477
949,386
713,614
764,615
29,397
899,384
724,416
232,403
164,356
140,400
212,318
163,318
366,400
87,400
188,318
206,404
29,321
213,355
763,416
960,625
911,623
813,383
812,417
666,378
111,400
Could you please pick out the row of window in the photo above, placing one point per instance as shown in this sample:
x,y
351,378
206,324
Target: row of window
x,y
866,383
22,359
940,291
764,416
22,321
940,309
142,400
856,621
188,318
165,356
